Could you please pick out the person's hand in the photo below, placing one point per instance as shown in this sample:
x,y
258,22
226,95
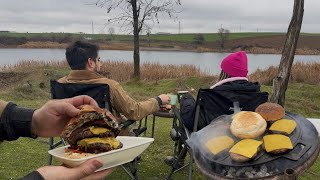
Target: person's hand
x,y
83,172
164,98
49,120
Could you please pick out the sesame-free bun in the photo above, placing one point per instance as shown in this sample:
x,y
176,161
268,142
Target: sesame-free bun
x,y
247,125
270,111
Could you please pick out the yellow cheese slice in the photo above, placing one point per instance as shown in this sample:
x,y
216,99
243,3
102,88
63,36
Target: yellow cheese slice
x,y
284,125
113,142
276,141
218,144
246,147
98,130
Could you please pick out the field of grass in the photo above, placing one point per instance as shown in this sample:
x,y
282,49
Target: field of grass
x,y
209,37
185,37
24,155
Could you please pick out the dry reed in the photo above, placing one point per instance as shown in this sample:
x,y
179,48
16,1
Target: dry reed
x,y
122,71
300,73
48,44
117,70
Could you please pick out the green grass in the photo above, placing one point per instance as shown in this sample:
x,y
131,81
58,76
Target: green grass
x,y
24,155
188,37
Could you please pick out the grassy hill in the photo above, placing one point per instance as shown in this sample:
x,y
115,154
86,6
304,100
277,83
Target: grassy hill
x,y
154,37
253,42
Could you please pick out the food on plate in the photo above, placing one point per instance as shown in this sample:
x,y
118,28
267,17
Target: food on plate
x,y
92,131
283,126
76,154
270,111
247,125
218,144
245,150
277,143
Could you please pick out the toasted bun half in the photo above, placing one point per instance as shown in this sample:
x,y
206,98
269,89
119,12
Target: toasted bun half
x,y
270,111
247,125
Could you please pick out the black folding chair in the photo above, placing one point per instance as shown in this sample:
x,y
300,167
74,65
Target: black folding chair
x,y
210,104
101,93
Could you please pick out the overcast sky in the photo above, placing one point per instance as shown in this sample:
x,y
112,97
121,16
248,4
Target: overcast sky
x,y
197,16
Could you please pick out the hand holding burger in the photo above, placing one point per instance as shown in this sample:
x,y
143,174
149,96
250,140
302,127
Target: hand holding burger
x,y
49,120
93,130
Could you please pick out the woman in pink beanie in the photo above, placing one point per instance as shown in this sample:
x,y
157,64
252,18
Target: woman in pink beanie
x,y
232,80
233,67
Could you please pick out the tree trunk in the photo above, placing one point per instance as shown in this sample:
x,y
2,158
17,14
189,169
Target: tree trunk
x,y
136,53
280,83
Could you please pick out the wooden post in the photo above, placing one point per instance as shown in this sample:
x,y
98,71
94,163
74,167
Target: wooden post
x,y
280,83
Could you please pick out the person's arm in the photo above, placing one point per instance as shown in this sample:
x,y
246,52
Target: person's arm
x,y
127,106
15,122
85,171
34,175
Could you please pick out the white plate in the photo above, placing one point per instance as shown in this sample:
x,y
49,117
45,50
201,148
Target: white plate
x,y
132,147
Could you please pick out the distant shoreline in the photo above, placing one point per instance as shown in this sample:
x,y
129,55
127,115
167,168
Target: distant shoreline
x,y
159,47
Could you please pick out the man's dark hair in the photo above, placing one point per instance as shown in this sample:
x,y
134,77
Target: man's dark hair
x,y
79,52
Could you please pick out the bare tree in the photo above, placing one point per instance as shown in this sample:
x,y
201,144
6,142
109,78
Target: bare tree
x,y
199,39
134,13
280,83
111,32
223,36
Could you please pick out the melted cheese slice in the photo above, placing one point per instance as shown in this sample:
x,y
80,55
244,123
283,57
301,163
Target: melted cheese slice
x,y
246,147
108,140
276,141
98,130
218,144
284,125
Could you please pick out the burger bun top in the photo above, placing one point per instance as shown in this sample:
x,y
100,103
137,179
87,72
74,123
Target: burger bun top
x,y
247,125
270,111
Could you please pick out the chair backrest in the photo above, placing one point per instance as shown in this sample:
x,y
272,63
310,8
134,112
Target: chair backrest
x,y
215,102
99,92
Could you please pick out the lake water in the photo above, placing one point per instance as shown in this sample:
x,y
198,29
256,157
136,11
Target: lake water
x,y
207,62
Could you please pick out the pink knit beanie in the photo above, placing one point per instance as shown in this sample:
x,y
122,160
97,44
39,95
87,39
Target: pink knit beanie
x,y
236,64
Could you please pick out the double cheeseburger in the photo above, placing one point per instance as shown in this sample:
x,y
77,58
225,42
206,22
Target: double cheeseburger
x,y
92,131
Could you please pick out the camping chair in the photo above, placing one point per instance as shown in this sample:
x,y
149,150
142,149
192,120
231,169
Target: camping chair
x,y
99,92
210,104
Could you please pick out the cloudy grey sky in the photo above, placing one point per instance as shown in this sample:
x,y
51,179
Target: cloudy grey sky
x,y
200,16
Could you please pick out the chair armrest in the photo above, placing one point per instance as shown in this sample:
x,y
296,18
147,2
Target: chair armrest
x,y
127,123
136,132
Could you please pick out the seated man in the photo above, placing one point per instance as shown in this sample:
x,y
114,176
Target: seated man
x,y
85,63
232,79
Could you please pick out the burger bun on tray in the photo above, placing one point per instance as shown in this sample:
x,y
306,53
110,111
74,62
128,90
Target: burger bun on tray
x,y
270,111
247,125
